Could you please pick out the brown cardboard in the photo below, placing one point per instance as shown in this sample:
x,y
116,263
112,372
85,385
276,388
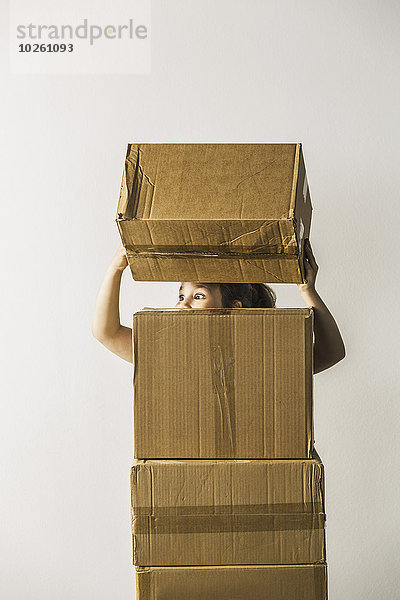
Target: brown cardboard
x,y
215,212
277,582
223,383
228,512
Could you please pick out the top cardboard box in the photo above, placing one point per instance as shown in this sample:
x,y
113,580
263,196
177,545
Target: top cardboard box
x,y
215,212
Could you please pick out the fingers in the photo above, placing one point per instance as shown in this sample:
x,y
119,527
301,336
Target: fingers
x,y
121,250
309,254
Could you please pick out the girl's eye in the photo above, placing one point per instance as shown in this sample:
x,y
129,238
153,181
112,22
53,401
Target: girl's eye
x,y
199,296
180,298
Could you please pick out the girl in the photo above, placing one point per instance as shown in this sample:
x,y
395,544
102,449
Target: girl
x,y
106,327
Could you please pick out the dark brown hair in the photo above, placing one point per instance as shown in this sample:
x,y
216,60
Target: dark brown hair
x,y
251,295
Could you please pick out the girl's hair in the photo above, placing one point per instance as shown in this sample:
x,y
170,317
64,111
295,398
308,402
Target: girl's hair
x,y
251,295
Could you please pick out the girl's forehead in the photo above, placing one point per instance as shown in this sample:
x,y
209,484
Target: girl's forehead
x,y
196,284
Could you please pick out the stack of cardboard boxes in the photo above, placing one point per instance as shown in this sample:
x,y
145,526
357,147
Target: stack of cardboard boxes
x,y
227,490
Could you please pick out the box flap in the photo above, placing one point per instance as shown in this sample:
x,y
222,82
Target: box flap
x,y
198,488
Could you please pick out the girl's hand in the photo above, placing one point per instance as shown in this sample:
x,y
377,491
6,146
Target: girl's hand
x,y
310,268
119,261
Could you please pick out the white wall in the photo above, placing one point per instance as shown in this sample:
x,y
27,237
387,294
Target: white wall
x,y
324,73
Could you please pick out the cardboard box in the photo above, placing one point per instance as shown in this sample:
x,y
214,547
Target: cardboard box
x,y
278,582
215,212
228,512
223,383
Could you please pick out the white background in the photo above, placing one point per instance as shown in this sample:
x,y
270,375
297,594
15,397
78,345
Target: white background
x,y
324,73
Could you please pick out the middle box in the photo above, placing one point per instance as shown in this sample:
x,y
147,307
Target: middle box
x,y
223,383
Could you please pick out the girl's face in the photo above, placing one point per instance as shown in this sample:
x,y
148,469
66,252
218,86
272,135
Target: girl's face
x,y
199,295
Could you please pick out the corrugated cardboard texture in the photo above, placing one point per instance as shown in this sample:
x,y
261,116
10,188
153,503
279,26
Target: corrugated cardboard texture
x,y
223,383
303,582
215,212
228,512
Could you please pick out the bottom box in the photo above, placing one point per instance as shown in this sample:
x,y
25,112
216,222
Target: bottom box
x,y
271,582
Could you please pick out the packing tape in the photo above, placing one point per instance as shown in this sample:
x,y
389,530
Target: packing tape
x,y
282,508
155,525
205,252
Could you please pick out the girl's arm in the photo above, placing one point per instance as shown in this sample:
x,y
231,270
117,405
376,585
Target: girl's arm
x,y
328,344
106,326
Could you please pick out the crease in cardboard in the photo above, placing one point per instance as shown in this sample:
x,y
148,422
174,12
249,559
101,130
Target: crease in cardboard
x,y
269,275
285,241
295,178
223,381
136,179
224,407
134,550
152,504
252,175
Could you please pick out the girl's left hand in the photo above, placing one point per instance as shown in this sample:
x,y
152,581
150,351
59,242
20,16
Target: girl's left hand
x,y
310,267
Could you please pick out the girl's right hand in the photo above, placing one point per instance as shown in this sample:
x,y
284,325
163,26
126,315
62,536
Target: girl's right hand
x,y
310,267
119,261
